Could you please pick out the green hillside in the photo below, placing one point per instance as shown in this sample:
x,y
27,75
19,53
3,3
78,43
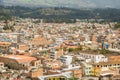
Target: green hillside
x,y
60,14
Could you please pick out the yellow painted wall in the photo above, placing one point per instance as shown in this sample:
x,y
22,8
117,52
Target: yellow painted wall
x,y
95,71
57,78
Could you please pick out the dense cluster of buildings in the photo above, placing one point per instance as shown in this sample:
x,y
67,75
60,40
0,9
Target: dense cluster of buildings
x,y
56,51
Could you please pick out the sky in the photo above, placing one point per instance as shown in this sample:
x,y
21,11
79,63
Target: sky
x,y
64,3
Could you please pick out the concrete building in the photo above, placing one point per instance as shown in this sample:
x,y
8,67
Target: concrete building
x,y
66,59
17,61
34,73
87,69
96,58
56,54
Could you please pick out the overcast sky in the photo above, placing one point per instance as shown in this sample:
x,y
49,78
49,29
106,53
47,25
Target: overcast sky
x,y
65,3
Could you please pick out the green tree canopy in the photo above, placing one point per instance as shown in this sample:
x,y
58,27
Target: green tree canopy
x,y
117,26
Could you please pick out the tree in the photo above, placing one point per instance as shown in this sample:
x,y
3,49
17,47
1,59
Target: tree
x,y
70,49
64,48
80,47
117,26
104,51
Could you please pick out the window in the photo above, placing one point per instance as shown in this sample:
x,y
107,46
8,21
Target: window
x,y
114,64
104,65
97,65
23,65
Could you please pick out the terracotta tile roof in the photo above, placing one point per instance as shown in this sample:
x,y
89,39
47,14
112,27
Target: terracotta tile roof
x,y
114,58
39,41
5,43
20,58
23,47
108,63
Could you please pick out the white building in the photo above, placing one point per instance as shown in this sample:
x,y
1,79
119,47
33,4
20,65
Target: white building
x,y
96,58
66,59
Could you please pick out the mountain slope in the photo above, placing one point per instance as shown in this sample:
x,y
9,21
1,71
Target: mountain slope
x,y
59,14
64,3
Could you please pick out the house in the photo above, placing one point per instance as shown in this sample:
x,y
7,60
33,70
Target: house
x,y
56,54
17,61
93,57
103,71
66,59
108,68
52,64
87,69
35,72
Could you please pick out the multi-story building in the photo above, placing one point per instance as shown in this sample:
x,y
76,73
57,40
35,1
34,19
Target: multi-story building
x,y
66,59
56,54
106,68
17,61
87,68
89,57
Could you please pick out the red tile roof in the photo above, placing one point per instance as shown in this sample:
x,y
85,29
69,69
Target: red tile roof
x,y
20,58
